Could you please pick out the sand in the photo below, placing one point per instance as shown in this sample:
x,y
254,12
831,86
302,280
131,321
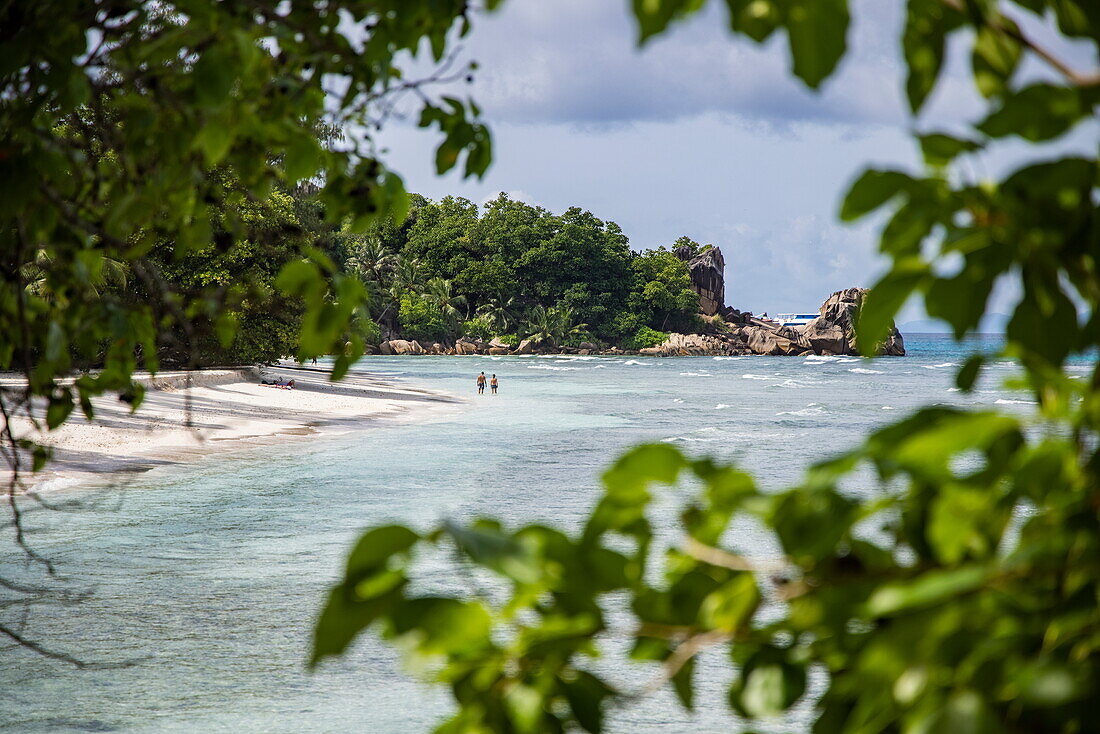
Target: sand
x,y
221,410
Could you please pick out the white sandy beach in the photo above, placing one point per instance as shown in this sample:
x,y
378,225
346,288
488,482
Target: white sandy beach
x,y
221,410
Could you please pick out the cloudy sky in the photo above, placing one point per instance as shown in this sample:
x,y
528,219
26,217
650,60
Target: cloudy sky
x,y
702,135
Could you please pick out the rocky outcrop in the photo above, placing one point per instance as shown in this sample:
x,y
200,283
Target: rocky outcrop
x,y
708,276
688,345
465,346
782,341
834,331
401,346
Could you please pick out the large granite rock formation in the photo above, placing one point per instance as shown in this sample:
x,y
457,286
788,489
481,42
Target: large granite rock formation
x,y
708,277
783,341
834,332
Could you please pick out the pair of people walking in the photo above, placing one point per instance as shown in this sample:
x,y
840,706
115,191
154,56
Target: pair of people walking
x,y
481,384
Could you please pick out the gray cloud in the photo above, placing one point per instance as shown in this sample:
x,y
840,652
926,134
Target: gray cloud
x,y
575,61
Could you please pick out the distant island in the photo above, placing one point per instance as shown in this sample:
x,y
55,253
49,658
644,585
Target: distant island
x,y
503,278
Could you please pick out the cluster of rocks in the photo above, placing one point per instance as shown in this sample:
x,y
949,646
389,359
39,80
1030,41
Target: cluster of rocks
x,y
831,333
494,347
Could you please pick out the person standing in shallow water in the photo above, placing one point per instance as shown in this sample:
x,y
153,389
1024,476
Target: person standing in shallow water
x,y
481,384
493,384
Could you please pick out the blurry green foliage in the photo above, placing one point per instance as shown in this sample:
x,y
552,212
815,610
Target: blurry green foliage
x,y
156,138
962,593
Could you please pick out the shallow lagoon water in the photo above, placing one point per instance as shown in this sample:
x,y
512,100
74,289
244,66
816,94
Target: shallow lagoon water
x,y
208,576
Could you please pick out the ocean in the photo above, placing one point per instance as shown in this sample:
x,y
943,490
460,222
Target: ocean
x,y
206,577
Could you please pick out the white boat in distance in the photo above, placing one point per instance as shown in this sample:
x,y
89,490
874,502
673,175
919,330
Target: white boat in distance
x,y
794,319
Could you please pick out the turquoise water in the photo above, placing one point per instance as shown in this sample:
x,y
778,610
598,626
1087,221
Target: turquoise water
x,y
208,576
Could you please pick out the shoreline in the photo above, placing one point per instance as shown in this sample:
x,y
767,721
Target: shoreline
x,y
228,409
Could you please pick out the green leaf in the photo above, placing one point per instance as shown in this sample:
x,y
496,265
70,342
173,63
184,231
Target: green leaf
x,y
524,705
654,16
731,606
445,626
1036,113
968,373
213,76
375,547
1044,304
871,190
214,140
810,523
939,149
757,19
769,684
994,58
658,462
344,616
59,409
225,326
488,546
303,158
963,522
586,695
876,316
817,31
683,686
926,26
300,278
928,589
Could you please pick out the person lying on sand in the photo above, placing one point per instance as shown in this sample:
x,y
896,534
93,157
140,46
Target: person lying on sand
x,y
279,384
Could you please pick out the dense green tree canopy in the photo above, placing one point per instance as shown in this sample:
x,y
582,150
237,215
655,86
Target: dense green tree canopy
x,y
513,252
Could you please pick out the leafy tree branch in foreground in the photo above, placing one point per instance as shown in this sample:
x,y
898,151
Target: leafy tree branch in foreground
x,y
959,593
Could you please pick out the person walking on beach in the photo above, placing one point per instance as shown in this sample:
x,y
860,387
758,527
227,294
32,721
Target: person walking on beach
x,y
493,384
481,384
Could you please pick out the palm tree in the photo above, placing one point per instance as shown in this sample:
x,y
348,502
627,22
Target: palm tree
x,y
371,261
564,323
440,293
540,324
407,273
553,324
104,272
499,312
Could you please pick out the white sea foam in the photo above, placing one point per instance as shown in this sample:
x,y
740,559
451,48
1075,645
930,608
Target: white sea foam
x,y
863,371
725,359
1002,401
722,406
555,368
954,389
712,435
940,366
696,374
888,407
810,410
677,400
634,361
755,377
